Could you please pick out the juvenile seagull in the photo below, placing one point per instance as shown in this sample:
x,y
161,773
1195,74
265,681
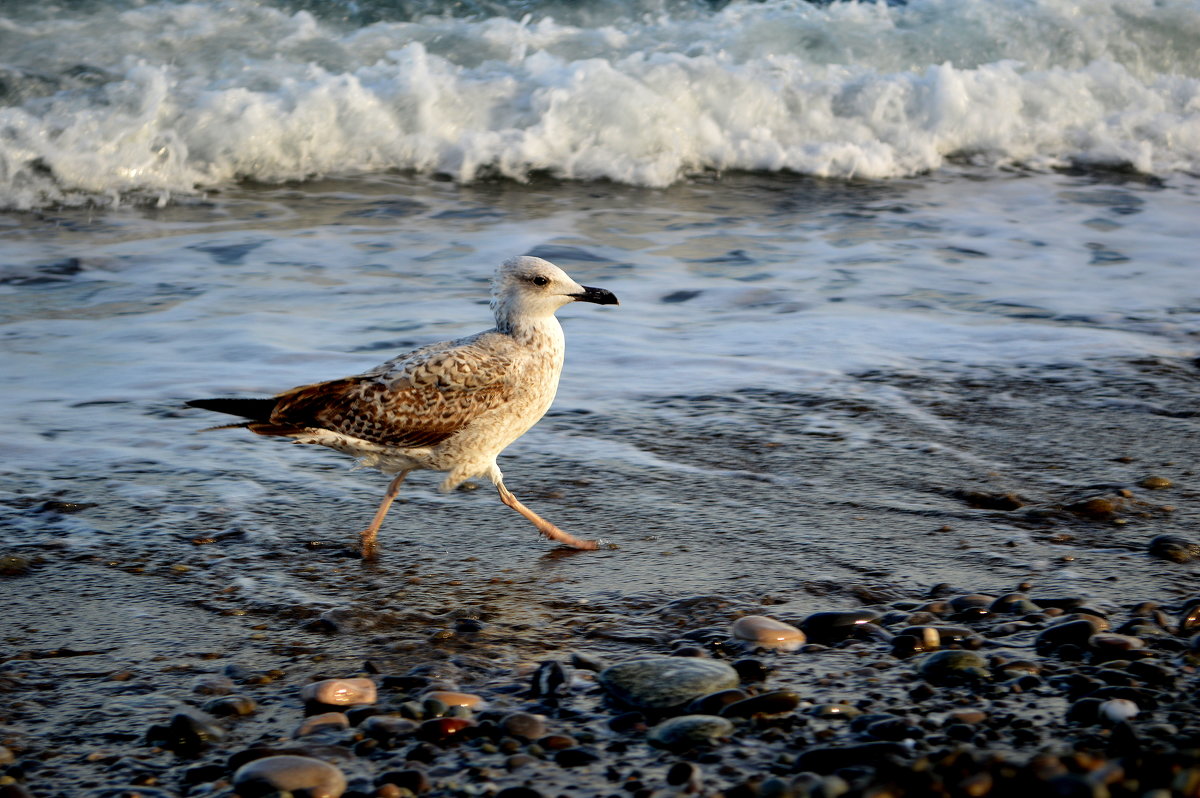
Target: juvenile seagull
x,y
452,406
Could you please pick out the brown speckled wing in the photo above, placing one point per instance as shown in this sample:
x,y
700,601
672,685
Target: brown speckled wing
x,y
417,401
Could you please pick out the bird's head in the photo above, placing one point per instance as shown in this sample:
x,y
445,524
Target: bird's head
x,y
531,288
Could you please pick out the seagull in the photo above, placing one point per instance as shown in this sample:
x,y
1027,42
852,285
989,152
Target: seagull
x,y
451,406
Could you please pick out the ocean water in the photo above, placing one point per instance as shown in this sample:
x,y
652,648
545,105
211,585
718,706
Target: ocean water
x,y
109,102
874,262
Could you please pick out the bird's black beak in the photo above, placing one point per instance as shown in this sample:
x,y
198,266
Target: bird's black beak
x,y
599,296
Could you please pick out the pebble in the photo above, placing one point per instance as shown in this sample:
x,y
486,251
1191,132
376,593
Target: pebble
x,y
1115,710
1189,619
452,698
212,684
686,775
968,716
1155,483
1109,645
835,626
383,727
954,667
689,731
768,633
713,703
291,773
1076,632
847,711
1014,604
442,730
666,682
13,565
230,706
775,702
340,692
524,724
326,721
415,780
188,733
1174,548
751,670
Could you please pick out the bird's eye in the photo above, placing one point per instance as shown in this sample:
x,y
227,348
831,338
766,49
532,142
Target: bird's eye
x,y
540,280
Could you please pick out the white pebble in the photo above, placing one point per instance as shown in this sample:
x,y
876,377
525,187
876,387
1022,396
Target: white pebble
x,y
1116,710
340,692
768,633
292,774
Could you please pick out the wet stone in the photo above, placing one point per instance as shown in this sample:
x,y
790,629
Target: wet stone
x,y
415,780
518,792
577,757
1155,483
834,626
1189,619
713,703
230,706
971,601
1013,604
584,661
326,721
759,630
212,684
294,774
557,742
689,731
895,729
1076,633
455,699
954,667
666,682
340,692
1174,548
14,565
751,670
524,724
187,734
384,727
442,730
684,774
775,702
845,711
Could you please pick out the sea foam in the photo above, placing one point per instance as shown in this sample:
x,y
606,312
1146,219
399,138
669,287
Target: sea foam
x,y
163,99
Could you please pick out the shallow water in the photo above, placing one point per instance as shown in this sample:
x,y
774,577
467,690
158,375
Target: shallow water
x,y
802,380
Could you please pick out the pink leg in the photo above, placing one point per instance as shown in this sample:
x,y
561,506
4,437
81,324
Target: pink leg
x,y
545,527
370,550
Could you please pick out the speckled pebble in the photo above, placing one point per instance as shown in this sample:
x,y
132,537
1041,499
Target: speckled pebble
x,y
666,682
954,667
688,731
340,692
768,633
291,773
524,724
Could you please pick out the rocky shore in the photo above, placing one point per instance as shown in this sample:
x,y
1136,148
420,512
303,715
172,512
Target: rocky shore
x,y
947,693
